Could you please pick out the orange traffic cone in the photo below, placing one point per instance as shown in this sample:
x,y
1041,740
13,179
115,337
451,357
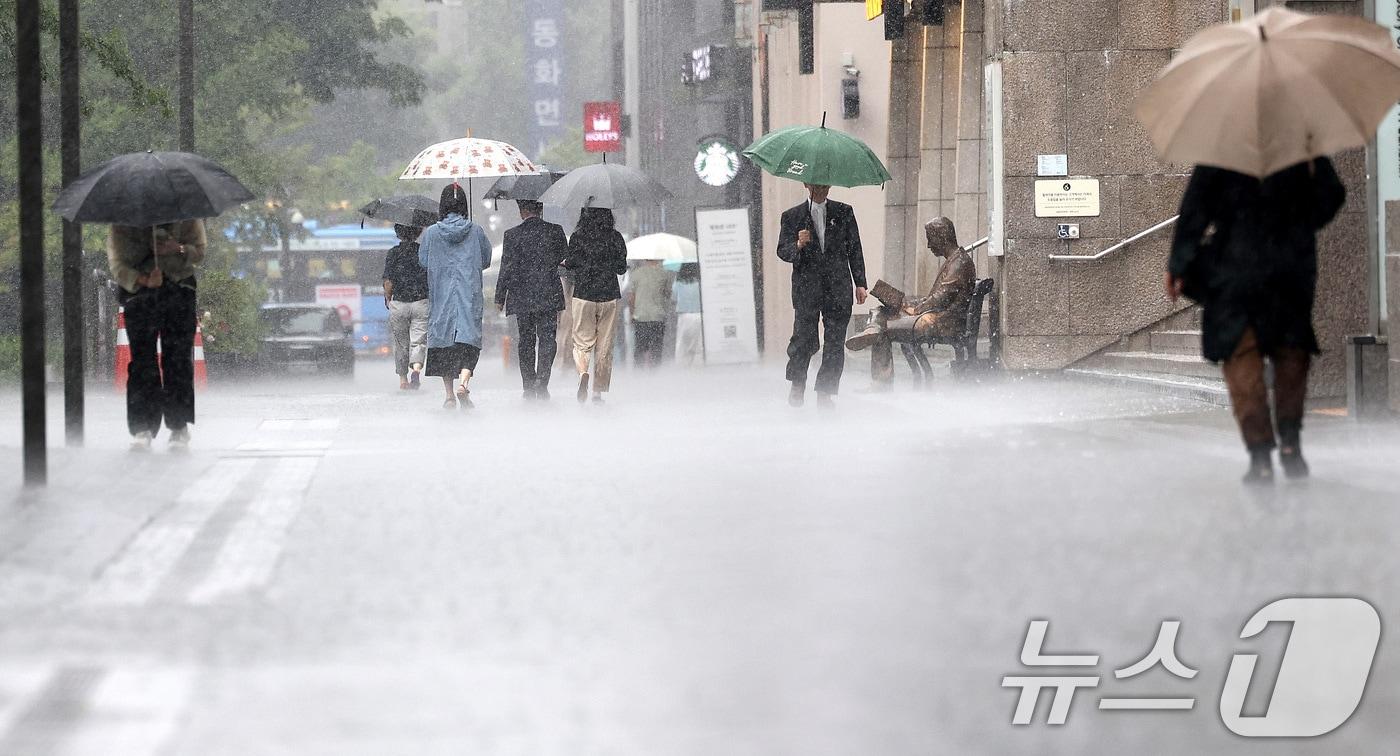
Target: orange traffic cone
x,y
201,371
123,353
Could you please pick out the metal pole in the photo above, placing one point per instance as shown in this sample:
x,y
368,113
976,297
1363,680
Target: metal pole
x,y
30,132
70,130
187,75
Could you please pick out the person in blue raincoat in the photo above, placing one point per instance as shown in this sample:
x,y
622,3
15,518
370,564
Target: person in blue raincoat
x,y
454,251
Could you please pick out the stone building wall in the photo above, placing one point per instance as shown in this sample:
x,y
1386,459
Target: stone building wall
x,y
1071,71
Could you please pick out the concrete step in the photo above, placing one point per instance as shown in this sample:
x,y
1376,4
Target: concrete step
x,y
1191,365
1175,342
1210,391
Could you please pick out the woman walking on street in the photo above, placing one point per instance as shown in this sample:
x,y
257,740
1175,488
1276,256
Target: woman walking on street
x,y
454,251
1246,248
597,256
406,297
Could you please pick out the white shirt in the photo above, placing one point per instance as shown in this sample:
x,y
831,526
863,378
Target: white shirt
x,y
819,220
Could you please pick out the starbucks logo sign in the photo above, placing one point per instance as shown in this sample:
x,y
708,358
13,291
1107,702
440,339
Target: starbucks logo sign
x,y
716,162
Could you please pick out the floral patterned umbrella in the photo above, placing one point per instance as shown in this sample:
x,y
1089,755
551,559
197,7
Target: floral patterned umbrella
x,y
469,158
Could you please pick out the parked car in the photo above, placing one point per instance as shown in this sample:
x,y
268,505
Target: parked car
x,y
305,338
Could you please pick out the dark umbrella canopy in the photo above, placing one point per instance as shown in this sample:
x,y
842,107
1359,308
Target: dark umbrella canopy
x,y
151,188
526,187
605,185
405,209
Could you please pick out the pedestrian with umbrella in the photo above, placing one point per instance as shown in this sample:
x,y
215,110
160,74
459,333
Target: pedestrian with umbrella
x,y
528,287
597,256
155,203
649,290
1245,244
406,282
454,251
821,239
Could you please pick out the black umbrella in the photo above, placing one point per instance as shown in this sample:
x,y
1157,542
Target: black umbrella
x,y
151,188
404,209
605,185
525,187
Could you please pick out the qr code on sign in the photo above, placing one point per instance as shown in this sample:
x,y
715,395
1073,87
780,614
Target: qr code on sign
x,y
731,332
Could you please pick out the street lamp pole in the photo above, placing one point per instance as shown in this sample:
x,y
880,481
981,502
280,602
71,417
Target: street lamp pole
x,y
29,127
186,75
70,131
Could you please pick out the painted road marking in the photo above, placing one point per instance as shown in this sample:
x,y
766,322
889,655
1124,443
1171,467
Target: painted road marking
x,y
275,445
247,558
81,710
137,572
300,424
132,711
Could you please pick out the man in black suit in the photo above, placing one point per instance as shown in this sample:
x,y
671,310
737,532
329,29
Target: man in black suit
x,y
528,287
821,240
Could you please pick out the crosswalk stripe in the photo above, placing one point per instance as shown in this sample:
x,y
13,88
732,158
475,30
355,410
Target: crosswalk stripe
x,y
248,556
138,571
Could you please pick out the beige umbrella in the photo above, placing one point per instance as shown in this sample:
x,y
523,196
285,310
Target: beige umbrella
x,y
1272,91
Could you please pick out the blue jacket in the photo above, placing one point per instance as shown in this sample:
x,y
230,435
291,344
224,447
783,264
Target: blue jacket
x,y
454,251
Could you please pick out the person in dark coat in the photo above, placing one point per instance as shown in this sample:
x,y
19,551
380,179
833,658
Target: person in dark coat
x,y
821,240
1246,249
528,287
597,256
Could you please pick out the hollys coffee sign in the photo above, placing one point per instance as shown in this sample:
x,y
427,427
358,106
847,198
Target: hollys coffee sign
x,y
602,126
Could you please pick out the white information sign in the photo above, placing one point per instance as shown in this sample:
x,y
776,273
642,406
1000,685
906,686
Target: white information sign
x,y
726,286
1067,198
345,298
1052,165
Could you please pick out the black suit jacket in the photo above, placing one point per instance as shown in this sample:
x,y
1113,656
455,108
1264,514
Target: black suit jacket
x,y
529,278
823,275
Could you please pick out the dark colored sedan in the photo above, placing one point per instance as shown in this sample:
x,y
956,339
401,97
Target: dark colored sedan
x,y
305,338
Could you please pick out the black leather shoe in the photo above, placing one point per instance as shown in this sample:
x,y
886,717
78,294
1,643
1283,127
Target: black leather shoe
x,y
1294,466
1261,468
797,395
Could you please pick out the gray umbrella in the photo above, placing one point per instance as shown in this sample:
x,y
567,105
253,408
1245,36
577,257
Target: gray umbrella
x,y
151,188
404,209
523,187
605,185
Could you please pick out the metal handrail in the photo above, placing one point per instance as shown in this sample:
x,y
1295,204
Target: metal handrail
x,y
976,244
1139,236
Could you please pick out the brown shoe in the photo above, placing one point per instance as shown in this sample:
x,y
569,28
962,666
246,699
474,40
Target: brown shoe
x,y
583,388
865,339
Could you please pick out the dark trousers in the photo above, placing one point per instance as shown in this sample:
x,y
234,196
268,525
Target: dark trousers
x,y
649,337
1244,376
831,321
537,347
164,389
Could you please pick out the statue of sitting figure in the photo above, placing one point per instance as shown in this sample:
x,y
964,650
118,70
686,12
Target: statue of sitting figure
x,y
942,315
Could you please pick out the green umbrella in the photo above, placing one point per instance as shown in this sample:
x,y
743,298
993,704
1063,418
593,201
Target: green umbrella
x,y
817,155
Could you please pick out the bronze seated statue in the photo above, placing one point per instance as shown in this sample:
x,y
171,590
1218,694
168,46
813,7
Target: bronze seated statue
x,y
940,316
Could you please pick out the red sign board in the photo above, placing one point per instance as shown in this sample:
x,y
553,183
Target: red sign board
x,y
602,126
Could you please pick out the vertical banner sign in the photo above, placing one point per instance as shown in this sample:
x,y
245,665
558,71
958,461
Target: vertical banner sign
x,y
544,71
1387,151
726,286
602,126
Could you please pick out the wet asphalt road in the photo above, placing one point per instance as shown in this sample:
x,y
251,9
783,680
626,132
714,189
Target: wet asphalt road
x,y
694,568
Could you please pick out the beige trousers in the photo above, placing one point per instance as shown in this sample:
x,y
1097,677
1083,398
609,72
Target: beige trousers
x,y
595,324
